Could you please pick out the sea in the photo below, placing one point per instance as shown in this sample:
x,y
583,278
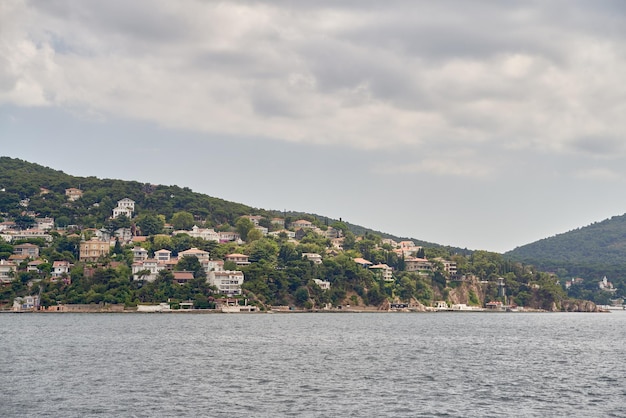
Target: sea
x,y
445,364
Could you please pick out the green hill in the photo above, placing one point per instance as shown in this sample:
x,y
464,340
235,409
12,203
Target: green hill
x,y
276,274
23,180
591,253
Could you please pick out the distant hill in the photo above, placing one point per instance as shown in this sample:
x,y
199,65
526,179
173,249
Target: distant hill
x,y
21,180
594,251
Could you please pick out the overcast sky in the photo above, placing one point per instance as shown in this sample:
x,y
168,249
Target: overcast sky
x,y
478,124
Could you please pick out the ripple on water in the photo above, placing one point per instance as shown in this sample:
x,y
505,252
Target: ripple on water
x,y
313,365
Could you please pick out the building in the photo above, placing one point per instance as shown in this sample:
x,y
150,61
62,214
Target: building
x,y
228,236
606,285
93,249
29,234
212,265
26,303
163,255
417,264
182,277
383,271
45,223
239,259
147,270
139,254
262,229
363,262
288,233
199,254
253,218
29,250
332,233
60,268
300,224
448,266
278,222
315,258
207,234
73,194
227,282
323,284
125,235
125,206
7,271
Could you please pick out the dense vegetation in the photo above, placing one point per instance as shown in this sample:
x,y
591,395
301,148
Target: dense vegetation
x,y
591,253
277,275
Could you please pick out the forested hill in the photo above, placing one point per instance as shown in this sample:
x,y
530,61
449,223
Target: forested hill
x,y
595,250
24,180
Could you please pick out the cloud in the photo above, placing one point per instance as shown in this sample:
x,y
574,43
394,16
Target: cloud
x,y
602,174
409,75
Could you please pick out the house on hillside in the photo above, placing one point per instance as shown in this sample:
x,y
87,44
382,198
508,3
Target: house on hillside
x,y
227,282
207,234
239,259
363,262
301,224
7,271
44,223
126,207
253,218
417,264
147,270
323,284
278,222
199,254
93,249
182,277
29,250
383,271
314,257
60,268
73,194
229,236
139,254
163,255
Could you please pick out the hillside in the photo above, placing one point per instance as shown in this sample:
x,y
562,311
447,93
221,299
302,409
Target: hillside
x,y
590,252
23,180
95,252
599,245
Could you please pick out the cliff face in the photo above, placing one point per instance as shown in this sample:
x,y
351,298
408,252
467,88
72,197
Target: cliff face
x,y
575,305
469,293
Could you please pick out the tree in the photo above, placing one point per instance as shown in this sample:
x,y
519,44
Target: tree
x,y
253,235
24,222
191,263
243,226
301,296
150,224
182,220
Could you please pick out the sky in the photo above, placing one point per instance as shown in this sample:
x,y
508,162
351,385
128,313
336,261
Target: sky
x,y
482,125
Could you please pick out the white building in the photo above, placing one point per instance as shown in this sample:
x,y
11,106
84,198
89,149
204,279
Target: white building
x,y
26,303
60,268
139,254
417,264
323,284
199,254
150,269
383,271
227,282
44,223
7,271
207,234
314,257
125,206
163,255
